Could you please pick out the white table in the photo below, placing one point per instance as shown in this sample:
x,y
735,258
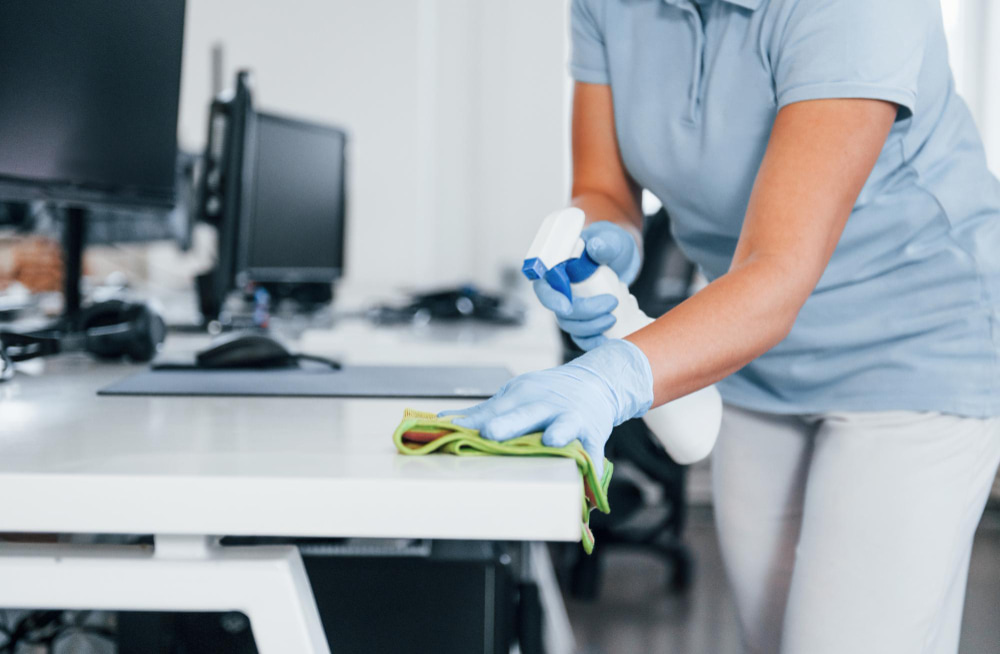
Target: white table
x,y
189,470
533,346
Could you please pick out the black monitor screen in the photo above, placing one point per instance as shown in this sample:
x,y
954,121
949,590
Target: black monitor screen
x,y
293,201
89,95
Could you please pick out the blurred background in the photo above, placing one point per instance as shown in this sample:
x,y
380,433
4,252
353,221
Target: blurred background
x,y
456,112
458,118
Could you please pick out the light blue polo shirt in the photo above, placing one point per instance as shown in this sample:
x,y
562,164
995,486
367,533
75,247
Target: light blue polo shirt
x,y
906,315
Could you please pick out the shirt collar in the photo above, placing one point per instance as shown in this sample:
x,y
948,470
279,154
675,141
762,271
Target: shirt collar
x,y
752,5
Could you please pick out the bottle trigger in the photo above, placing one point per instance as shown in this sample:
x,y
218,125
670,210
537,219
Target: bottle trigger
x,y
581,268
558,279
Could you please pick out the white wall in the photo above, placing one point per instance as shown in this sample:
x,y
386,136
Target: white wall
x,y
973,27
456,110
989,118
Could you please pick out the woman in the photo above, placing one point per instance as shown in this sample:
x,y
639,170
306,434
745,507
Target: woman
x,y
820,169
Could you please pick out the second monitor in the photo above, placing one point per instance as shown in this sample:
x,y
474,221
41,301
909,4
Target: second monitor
x,y
293,204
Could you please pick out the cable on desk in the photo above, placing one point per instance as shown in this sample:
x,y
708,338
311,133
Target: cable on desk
x,y
315,359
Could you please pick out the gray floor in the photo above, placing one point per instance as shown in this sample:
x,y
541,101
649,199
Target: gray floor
x,y
635,615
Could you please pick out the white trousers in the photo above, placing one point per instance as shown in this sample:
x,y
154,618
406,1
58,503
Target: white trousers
x,y
849,533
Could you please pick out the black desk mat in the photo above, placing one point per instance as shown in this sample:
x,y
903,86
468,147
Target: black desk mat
x,y
318,381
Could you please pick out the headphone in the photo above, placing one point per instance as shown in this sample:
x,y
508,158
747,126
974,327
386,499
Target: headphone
x,y
113,329
6,366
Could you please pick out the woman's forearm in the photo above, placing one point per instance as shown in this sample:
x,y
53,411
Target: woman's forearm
x,y
601,185
719,330
601,206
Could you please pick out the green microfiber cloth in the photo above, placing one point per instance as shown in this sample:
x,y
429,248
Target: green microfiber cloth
x,y
424,433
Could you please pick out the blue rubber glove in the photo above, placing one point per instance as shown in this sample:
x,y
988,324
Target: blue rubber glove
x,y
586,319
581,400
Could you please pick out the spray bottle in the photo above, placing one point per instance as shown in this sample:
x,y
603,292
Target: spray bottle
x,y
687,426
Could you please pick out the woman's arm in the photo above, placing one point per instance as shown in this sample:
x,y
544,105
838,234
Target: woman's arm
x,y
601,185
820,155
818,158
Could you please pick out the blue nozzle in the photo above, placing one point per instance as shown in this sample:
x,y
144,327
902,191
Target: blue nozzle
x,y
533,268
563,275
556,276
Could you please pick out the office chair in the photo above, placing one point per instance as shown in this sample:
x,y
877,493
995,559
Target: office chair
x,y
640,460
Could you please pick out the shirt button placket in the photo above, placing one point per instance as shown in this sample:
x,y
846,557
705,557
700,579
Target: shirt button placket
x,y
698,62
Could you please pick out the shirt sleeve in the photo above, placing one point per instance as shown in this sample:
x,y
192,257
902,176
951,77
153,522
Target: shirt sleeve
x,y
588,59
870,49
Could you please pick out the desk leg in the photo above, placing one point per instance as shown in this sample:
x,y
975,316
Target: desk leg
x,y
268,584
557,628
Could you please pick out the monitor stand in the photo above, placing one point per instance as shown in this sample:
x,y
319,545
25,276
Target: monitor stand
x,y
211,296
73,243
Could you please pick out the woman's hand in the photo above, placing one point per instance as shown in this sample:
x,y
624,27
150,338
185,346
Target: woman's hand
x,y
611,244
586,319
581,400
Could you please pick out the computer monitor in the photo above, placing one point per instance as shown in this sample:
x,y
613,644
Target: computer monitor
x,y
293,205
89,106
89,96
220,191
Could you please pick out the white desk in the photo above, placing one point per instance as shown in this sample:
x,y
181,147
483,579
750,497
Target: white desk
x,y
533,346
190,469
